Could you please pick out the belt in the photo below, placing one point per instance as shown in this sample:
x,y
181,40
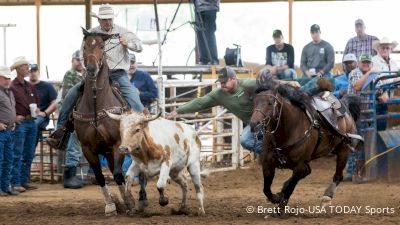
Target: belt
x,y
28,118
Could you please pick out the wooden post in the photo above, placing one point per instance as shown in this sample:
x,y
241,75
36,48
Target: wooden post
x,y
88,9
38,3
290,21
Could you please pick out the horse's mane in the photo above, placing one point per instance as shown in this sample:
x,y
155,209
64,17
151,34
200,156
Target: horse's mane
x,y
294,95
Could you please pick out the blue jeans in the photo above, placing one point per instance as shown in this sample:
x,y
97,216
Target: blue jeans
x,y
287,74
247,141
128,92
210,27
6,158
311,87
73,153
41,124
24,151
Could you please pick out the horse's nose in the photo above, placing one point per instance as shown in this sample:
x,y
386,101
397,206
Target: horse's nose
x,y
91,68
123,150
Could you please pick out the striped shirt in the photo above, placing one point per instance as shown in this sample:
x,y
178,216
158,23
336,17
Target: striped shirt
x,y
117,54
359,46
354,76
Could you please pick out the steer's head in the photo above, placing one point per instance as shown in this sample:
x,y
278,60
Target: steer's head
x,y
131,125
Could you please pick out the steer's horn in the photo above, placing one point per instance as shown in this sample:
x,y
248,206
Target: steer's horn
x,y
154,117
114,116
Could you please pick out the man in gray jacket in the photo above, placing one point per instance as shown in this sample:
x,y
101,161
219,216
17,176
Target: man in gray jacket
x,y
317,57
207,13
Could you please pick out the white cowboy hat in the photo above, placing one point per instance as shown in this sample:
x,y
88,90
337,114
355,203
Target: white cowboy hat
x,y
106,11
21,60
384,41
5,72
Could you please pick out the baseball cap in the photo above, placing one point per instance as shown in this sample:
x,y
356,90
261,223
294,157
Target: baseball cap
x,y
33,67
226,73
359,21
365,57
76,54
132,57
349,57
315,28
277,33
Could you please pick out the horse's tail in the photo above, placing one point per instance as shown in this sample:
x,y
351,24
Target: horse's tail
x,y
352,102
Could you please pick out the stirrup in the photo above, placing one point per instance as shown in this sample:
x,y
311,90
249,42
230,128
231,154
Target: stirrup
x,y
59,139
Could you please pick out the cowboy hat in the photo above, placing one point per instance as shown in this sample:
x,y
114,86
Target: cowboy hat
x,y
5,72
106,11
384,41
21,60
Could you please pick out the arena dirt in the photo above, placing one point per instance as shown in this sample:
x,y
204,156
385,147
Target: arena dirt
x,y
228,196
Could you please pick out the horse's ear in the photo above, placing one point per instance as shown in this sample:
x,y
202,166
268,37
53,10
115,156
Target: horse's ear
x,y
114,116
85,32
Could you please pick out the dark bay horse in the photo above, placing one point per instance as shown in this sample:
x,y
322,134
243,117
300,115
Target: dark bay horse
x,y
97,133
292,138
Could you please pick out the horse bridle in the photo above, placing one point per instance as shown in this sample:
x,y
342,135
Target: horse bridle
x,y
267,119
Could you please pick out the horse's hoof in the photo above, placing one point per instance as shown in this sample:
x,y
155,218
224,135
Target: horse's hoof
x,y
143,204
163,201
326,201
130,212
277,198
111,210
180,211
202,212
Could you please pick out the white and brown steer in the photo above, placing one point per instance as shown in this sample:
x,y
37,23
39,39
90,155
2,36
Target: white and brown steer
x,y
161,147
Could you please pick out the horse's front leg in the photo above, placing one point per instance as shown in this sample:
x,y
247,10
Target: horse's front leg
x,y
162,183
269,174
118,160
342,154
94,162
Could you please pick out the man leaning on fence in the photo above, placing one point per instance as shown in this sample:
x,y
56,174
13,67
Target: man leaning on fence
x,y
7,124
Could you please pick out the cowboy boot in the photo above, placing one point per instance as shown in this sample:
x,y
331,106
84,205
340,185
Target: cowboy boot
x,y
70,178
59,138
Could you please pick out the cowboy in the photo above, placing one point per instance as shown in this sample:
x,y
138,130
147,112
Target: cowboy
x,y
116,49
342,81
362,43
280,58
7,123
382,61
237,96
26,130
47,99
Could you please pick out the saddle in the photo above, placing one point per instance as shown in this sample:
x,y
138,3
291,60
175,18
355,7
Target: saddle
x,y
330,108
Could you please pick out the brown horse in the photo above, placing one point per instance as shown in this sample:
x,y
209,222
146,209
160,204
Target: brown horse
x,y
97,133
292,138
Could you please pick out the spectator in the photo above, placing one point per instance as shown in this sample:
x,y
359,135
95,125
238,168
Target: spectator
x,y
357,79
73,152
142,81
317,57
362,43
7,124
26,131
47,99
342,81
116,53
382,61
280,58
207,13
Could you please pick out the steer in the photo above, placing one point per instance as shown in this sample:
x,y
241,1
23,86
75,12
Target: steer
x,y
161,147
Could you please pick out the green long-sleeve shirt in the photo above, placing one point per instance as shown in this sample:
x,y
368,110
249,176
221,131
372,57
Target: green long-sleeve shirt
x,y
240,102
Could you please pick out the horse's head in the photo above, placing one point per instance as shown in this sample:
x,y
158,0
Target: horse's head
x,y
132,127
266,109
93,51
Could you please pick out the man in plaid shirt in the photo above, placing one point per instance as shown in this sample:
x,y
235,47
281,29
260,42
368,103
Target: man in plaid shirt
x,y
362,43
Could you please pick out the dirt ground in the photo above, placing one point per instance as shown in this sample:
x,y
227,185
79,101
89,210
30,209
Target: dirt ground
x,y
229,195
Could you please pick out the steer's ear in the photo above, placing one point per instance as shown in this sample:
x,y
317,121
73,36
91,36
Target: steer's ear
x,y
114,116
